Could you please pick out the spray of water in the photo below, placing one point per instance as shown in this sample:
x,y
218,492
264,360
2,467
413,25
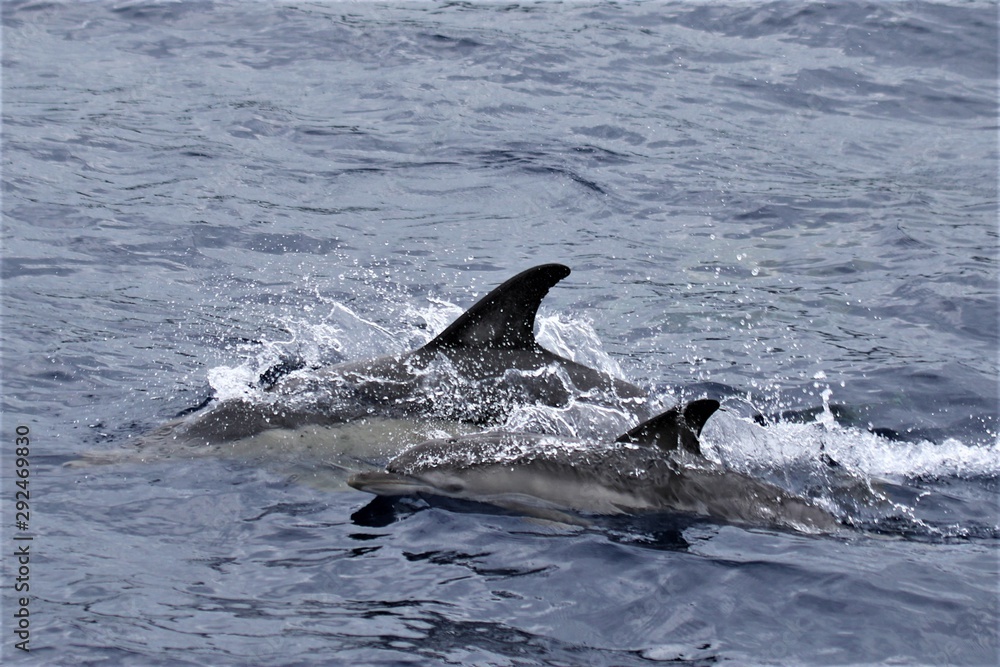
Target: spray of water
x,y
844,468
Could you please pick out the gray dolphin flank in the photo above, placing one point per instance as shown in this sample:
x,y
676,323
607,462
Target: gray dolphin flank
x,y
656,466
476,371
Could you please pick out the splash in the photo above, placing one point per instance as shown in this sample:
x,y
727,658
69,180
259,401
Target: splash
x,y
844,468
431,319
745,445
341,336
576,339
923,490
579,419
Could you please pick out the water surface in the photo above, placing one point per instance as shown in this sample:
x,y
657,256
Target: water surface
x,y
795,202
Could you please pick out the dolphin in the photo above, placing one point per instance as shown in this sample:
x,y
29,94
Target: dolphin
x,y
655,467
476,371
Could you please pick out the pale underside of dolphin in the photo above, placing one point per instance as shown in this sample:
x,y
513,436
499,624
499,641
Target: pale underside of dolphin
x,y
476,371
655,467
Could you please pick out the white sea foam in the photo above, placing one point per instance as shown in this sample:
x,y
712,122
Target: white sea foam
x,y
747,446
233,383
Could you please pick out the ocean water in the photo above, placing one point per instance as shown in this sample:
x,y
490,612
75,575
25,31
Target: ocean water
x,y
791,206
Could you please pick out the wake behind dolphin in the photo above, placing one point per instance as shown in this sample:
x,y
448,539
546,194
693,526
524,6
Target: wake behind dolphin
x,y
476,371
657,466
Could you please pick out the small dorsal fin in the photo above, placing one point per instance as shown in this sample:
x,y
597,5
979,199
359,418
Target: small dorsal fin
x,y
676,429
504,318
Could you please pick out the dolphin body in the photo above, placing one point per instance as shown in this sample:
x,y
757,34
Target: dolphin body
x,y
476,371
655,467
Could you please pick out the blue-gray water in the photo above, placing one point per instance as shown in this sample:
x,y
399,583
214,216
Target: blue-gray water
x,y
797,201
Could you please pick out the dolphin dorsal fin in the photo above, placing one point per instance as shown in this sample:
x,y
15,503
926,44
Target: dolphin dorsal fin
x,y
676,429
504,318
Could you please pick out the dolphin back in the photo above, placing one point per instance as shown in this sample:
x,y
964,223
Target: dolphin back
x,y
504,318
676,429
